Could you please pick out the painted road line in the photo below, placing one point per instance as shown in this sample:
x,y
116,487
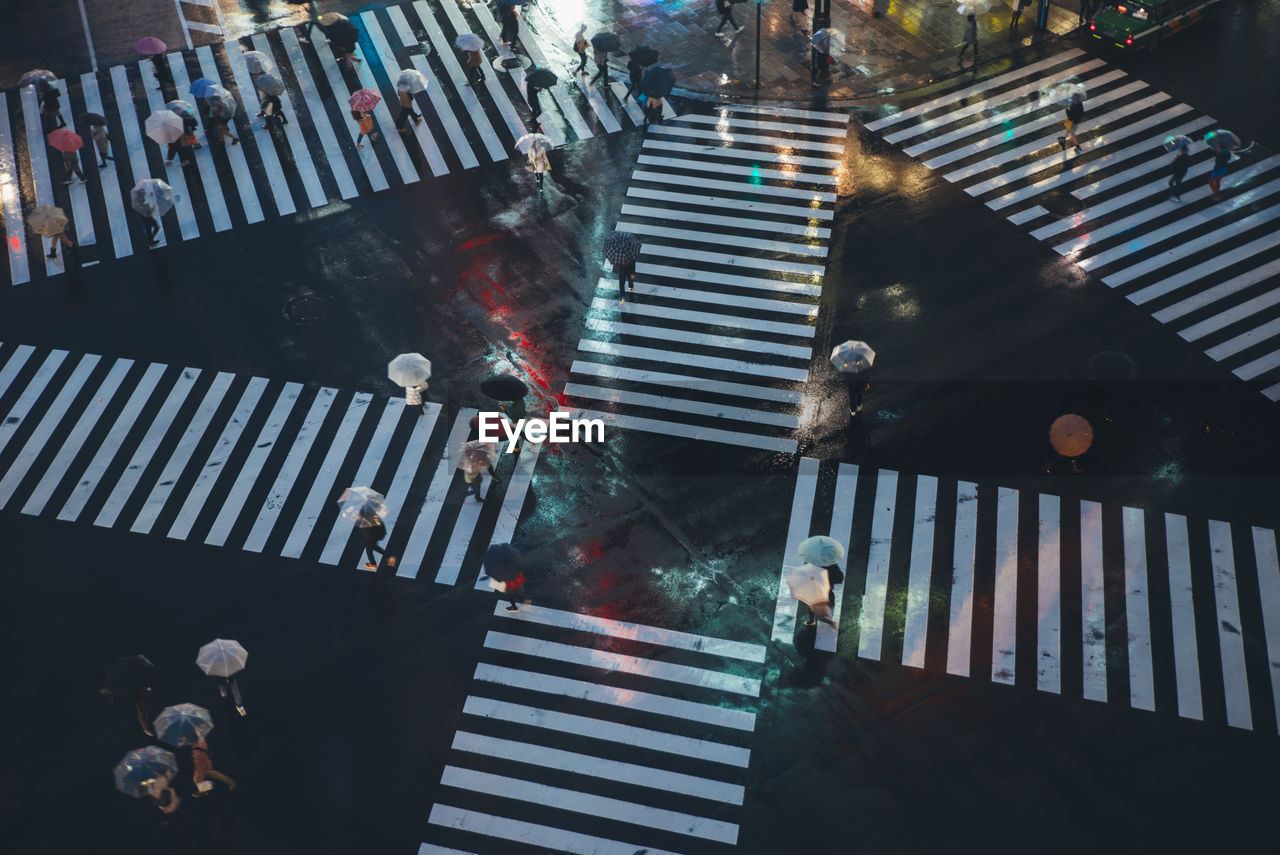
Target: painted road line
x,y
181,455
504,530
215,204
811,197
726,342
182,205
319,119
756,157
146,449
608,285
725,121
598,767
13,365
1258,366
685,431
252,467
261,136
740,139
1169,284
383,55
38,160
324,484
75,440
436,93
790,112
485,18
432,849
460,537
608,731
81,214
1049,598
784,614
1235,676
635,632
108,181
553,839
558,93
751,172
15,229
716,278
492,79
771,226
723,203
1264,550
235,153
635,665
265,519
722,238
919,579
827,635
683,381
429,515
71,390
30,394
217,459
515,126
132,134
619,90
608,695
1026,215
964,554
693,316
341,92
681,405
1272,392
110,446
1186,657
382,114
871,619
1093,607
1244,341
1240,311
1004,618
407,470
374,453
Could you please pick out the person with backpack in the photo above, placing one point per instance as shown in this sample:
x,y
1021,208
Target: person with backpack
x,y
580,48
1075,112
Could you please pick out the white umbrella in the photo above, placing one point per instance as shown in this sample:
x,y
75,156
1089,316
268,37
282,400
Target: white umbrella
x,y
852,357
258,62
222,657
412,81
528,141
165,127
362,504
1061,92
183,724
810,585
469,41
409,369
477,456
975,7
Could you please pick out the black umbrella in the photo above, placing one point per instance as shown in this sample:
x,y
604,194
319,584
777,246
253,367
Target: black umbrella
x,y
1111,365
93,119
621,247
645,55
504,387
503,563
128,678
658,81
342,33
606,42
541,78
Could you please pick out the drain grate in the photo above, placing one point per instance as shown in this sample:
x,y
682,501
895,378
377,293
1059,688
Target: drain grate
x,y
307,309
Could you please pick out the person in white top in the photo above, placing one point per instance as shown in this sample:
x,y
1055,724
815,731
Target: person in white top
x,y
413,396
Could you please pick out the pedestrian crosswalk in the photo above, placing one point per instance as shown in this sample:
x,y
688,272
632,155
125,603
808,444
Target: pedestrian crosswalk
x,y
308,163
244,462
1163,612
733,210
588,735
1205,266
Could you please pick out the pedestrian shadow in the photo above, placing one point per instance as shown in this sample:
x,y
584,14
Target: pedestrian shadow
x,y
811,672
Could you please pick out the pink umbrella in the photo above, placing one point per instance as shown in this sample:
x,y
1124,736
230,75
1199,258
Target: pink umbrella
x,y
65,140
150,46
364,100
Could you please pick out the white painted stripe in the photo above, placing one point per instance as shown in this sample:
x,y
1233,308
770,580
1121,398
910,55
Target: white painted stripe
x,y
1258,366
1049,598
252,467
960,626
619,90
75,440
515,126
266,517
13,365
38,161
429,515
1169,284
751,172
1264,550
1004,618
730,437
432,849
790,112
1244,341
186,36
145,452
181,455
708,318
183,208
445,52
722,239
558,93
716,277
1027,215
555,839
634,665
323,486
637,632
1155,161
1235,676
1272,392
15,230
1093,606
812,198
72,389
504,530
736,139
608,285
984,86
374,453
464,527
740,205
88,38
235,153
217,459
916,624
681,405
697,338
772,226
435,92
871,618
724,123
215,204
587,803
341,92
108,181
516,74
132,134
382,55
756,157
608,731
784,613
261,136
610,696
1142,692
736,261
684,381
598,767
1186,661
407,469
81,215
1240,311
200,26
319,119
827,635
111,445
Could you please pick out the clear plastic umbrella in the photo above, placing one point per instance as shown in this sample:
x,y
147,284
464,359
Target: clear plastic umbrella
x,y
185,109
528,141
151,197
165,127
1061,92
829,39
1221,139
143,769
258,62
411,80
476,456
222,657
820,550
409,369
183,724
975,7
1177,141
468,41
852,357
47,220
362,504
38,77
222,102
268,85
810,584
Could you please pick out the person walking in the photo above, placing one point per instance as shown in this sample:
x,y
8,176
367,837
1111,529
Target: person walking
x,y
71,166
102,142
634,71
626,278
164,77
372,530
413,397
798,6
475,67
313,22
153,229
652,109
221,128
535,105
51,109
272,111
970,39
725,8
179,148
1178,171
1086,6
365,122
162,796
580,48
820,63
539,164
202,770
1075,112
510,24
1220,160
406,111
54,240
1018,7
601,59
857,383
474,480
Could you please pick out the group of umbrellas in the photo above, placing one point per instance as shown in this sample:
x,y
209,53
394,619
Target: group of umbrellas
x,y
1217,141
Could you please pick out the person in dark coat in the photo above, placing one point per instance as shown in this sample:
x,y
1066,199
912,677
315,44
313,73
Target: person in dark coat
x,y
1177,172
531,95
626,277
1219,171
510,24
1075,112
602,66
634,70
800,6
163,75
51,109
725,8
857,384
372,530
475,67
970,39
153,229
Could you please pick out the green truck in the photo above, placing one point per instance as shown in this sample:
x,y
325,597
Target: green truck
x,y
1131,26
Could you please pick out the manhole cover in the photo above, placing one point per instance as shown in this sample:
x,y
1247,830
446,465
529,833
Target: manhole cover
x,y
307,309
1061,204
506,64
1228,433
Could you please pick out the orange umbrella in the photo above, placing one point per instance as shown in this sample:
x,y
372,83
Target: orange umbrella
x,y
1071,435
65,140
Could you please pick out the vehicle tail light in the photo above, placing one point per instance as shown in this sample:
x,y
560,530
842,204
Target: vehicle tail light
x,y
1128,40
1093,27
1122,10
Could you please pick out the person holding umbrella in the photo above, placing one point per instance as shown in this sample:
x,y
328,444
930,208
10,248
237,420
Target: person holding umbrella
x,y
634,72
362,102
474,459
145,773
853,360
602,44
152,199
129,679
656,84
222,106
1075,112
825,552
509,392
1178,167
505,569
409,82
152,47
101,140
811,585
51,108
343,36
51,222
1221,143
67,142
622,249
411,371
224,657
313,22
366,508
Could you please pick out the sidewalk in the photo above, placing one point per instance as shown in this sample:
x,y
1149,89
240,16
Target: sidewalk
x,y
912,43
